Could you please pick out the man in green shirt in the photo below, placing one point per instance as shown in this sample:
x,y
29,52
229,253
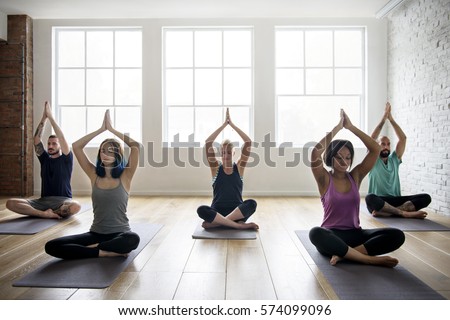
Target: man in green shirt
x,y
384,197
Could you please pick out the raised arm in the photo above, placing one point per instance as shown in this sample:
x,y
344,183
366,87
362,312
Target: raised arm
x,y
246,148
401,144
376,132
65,148
373,150
133,159
38,146
317,167
78,150
209,148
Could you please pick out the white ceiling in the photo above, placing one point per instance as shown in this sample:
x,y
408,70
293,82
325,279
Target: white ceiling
x,y
102,9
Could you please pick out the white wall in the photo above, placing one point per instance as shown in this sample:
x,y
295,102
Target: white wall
x,y
419,88
260,180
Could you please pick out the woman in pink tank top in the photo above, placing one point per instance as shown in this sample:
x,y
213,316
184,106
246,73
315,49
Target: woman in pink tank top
x,y
340,235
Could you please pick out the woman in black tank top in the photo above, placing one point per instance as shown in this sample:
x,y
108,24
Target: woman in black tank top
x,y
227,207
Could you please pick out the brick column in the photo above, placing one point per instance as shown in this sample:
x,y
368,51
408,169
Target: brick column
x,y
16,108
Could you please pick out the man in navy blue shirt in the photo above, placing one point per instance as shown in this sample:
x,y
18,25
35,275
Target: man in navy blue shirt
x,y
56,171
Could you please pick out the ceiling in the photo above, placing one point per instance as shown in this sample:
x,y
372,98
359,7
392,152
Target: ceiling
x,y
128,9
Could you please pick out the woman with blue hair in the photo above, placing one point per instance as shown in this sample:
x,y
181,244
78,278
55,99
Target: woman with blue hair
x,y
110,233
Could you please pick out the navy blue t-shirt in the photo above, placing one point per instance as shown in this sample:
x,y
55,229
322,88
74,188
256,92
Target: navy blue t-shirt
x,y
56,174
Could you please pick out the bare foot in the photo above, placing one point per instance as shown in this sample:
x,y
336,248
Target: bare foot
x,y
63,211
248,225
335,259
407,206
384,261
415,214
208,225
381,214
49,214
103,254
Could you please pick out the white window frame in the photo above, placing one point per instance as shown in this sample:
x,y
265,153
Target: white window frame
x,y
362,97
166,139
55,77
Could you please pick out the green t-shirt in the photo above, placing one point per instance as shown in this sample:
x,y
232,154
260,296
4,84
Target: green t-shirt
x,y
384,179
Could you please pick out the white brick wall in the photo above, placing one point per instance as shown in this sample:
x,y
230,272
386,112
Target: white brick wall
x,y
419,92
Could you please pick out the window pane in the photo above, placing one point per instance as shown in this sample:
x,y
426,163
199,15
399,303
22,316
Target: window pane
x,y
237,87
179,87
289,48
95,118
128,121
241,118
207,120
319,48
69,117
71,49
128,49
237,48
179,49
319,81
208,87
99,87
70,87
348,48
181,123
348,81
290,81
305,119
208,49
128,87
99,48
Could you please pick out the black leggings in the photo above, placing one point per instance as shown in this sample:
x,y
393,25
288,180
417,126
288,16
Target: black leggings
x,y
75,246
331,242
207,213
376,203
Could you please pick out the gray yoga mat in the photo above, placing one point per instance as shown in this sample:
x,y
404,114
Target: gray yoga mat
x,y
354,281
408,224
224,233
32,225
86,273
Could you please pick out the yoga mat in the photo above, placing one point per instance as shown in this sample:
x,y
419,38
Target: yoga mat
x,y
224,233
33,225
354,281
409,224
86,273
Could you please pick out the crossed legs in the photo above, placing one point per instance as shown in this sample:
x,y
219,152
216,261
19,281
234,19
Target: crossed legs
x,y
405,206
223,217
23,206
364,246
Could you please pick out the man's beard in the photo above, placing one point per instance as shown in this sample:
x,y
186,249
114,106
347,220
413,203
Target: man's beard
x,y
384,153
52,152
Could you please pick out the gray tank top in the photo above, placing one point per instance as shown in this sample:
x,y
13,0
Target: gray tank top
x,y
110,207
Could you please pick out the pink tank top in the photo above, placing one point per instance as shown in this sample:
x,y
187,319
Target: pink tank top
x,y
341,210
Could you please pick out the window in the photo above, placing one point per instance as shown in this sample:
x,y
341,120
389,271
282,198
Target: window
x,y
318,72
206,70
97,69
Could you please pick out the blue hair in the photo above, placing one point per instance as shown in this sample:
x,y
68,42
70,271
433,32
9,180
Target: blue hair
x,y
119,160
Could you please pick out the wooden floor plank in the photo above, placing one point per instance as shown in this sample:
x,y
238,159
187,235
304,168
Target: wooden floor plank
x,y
175,266
201,286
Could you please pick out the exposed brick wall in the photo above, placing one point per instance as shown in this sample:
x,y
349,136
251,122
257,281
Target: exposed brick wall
x,y
16,59
419,91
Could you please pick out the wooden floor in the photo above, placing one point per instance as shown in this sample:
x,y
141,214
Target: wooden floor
x,y
175,266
